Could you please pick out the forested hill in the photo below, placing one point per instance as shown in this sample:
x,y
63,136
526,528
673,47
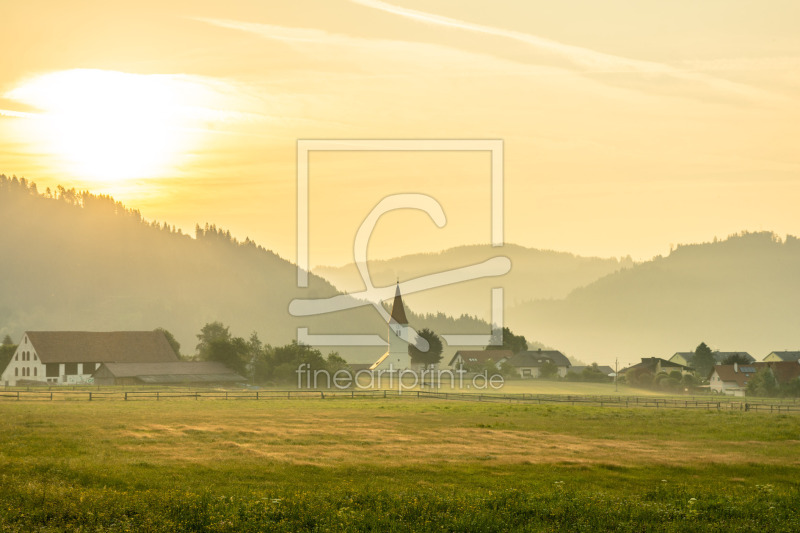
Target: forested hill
x,y
742,293
77,261
535,274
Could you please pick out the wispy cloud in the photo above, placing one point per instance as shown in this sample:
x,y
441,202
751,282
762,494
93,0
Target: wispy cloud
x,y
588,60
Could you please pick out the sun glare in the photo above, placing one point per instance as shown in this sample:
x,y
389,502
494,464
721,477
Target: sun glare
x,y
107,125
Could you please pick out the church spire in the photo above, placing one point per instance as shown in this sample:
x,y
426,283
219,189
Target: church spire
x,y
398,310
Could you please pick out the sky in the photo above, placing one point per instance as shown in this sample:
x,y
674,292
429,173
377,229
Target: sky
x,y
627,126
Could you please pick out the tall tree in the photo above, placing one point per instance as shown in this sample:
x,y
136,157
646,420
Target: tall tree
x,y
763,384
434,353
232,352
510,341
213,331
703,360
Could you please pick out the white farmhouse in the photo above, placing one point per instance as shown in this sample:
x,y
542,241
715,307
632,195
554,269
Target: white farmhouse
x,y
71,357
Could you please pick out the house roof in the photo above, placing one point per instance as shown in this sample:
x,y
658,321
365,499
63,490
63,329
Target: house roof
x,y
784,371
651,363
101,347
602,368
398,310
719,357
536,358
172,372
481,356
787,355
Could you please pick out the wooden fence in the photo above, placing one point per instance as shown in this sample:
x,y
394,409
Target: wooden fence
x,y
705,403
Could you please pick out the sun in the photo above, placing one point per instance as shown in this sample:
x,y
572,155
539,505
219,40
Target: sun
x,y
106,125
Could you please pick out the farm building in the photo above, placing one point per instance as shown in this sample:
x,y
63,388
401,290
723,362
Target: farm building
x,y
685,358
172,373
733,379
653,366
466,359
783,356
529,363
71,357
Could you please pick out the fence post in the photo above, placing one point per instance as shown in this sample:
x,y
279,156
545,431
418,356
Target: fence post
x,y
226,395
90,396
126,395
156,395
195,395
51,396
256,395
17,395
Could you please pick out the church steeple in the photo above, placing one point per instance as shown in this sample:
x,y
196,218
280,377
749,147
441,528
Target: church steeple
x,y
398,310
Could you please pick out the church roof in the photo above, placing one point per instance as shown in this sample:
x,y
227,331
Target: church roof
x,y
398,311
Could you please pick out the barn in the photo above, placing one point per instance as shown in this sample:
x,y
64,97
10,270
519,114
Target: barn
x,y
173,373
72,357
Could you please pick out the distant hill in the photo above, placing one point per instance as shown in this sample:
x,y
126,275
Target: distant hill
x,y
535,274
76,261
742,293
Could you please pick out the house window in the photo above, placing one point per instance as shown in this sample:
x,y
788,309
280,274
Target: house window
x,y
35,371
71,369
88,368
526,372
35,358
16,357
51,370
16,371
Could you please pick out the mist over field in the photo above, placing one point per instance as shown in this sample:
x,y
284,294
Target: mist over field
x,y
81,261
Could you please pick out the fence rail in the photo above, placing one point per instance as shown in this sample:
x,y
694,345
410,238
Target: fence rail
x,y
704,403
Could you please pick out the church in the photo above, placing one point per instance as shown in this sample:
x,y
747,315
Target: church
x,y
396,356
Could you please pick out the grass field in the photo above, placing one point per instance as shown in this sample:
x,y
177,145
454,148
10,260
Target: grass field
x,y
393,465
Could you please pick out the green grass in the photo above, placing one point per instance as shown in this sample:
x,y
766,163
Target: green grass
x,y
392,465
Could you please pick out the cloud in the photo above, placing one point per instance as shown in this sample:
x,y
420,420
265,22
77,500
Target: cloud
x,y
590,61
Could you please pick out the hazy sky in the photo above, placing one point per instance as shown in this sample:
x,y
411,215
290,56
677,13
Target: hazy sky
x,y
628,125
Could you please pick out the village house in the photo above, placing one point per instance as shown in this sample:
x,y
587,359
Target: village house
x,y
528,364
478,359
72,357
783,356
654,366
733,379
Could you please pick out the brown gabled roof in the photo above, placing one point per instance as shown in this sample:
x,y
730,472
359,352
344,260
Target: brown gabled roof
x,y
398,310
101,347
739,374
784,371
536,358
481,356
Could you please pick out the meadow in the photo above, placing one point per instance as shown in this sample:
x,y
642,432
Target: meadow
x,y
393,465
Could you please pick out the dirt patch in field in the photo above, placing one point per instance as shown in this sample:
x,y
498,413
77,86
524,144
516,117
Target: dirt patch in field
x,y
326,440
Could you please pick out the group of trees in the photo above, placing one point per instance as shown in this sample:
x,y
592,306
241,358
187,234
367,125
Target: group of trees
x,y
261,362
764,384
7,349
